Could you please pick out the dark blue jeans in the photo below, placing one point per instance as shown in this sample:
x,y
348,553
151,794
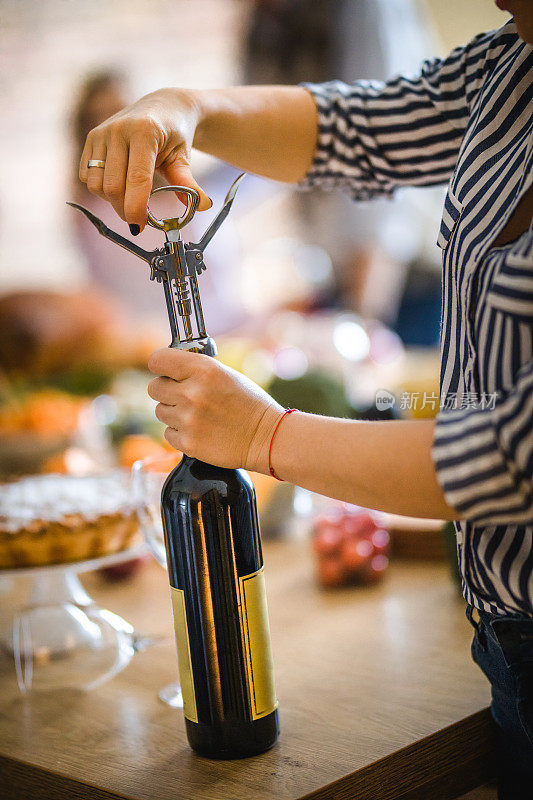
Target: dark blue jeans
x,y
503,649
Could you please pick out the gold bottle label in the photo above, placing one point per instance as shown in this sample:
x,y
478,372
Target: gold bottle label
x,y
259,663
258,653
184,653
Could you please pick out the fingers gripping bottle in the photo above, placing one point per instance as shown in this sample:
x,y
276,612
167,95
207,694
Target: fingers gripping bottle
x,y
214,557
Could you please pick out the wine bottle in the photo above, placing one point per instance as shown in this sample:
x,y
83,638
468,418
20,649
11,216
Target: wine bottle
x,y
212,539
215,567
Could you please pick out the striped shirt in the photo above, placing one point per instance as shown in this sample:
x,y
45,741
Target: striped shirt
x,y
465,120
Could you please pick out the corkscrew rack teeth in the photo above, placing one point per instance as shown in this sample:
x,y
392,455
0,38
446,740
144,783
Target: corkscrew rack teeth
x,y
176,265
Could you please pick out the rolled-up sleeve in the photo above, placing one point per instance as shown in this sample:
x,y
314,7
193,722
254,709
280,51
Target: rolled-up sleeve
x,y
484,457
374,137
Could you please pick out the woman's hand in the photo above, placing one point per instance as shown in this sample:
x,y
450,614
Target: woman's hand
x,y
212,412
269,130
156,132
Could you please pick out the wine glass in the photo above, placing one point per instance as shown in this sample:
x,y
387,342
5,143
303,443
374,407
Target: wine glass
x,y
148,477
55,635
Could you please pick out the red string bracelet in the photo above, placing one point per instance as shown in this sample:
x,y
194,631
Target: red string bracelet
x,y
280,420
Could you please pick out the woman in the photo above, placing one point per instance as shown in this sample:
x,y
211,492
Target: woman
x,y
466,118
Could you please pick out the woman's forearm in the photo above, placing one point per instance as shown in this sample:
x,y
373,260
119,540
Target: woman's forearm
x,y
218,415
268,130
382,465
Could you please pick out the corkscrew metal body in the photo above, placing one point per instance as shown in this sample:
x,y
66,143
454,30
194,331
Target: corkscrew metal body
x,y
177,265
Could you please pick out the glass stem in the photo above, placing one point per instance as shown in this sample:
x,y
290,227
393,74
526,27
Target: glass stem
x,y
59,586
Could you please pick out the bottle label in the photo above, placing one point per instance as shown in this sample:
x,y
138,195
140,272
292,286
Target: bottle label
x,y
184,653
259,663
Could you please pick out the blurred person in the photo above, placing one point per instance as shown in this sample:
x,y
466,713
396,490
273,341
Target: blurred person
x,y
286,39
465,120
372,245
101,95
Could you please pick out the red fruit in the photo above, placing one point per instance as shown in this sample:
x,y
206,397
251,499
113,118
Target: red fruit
x,y
377,567
325,522
381,540
331,572
355,553
358,526
327,541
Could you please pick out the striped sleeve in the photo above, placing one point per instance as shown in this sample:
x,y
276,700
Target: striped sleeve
x,y
374,137
484,457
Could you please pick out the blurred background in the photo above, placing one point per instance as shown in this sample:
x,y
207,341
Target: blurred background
x,y
321,301
50,50
332,307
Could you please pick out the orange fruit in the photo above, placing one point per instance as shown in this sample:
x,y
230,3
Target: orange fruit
x,y
138,446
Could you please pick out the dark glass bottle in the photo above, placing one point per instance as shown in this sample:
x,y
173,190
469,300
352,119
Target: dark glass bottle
x,y
215,567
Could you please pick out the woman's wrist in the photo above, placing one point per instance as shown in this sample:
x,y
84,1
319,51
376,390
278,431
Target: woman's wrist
x,y
280,420
258,452
204,104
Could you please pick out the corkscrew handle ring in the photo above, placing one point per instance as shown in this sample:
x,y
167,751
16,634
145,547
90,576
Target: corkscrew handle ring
x,y
175,223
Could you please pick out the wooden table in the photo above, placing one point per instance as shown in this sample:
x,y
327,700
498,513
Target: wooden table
x,y
378,699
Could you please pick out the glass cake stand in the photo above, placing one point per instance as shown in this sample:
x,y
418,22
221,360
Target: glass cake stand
x,y
148,477
52,633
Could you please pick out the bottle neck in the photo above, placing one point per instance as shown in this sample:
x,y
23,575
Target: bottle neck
x,y
190,463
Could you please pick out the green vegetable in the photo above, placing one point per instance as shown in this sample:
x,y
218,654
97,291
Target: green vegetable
x,y
316,392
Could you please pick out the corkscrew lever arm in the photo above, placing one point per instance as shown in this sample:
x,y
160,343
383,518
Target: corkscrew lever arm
x,y
101,227
161,263
220,217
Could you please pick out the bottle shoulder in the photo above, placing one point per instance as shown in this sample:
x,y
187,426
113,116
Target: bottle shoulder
x,y
194,476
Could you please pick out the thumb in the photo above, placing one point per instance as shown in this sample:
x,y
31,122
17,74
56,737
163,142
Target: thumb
x,y
179,174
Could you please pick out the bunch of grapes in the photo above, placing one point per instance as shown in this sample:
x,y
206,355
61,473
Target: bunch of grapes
x,y
351,547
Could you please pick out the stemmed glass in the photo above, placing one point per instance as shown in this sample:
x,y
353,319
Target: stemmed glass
x,y
148,477
55,635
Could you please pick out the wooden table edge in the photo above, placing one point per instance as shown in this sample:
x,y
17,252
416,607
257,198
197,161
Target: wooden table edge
x,y
20,780
450,762
447,763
